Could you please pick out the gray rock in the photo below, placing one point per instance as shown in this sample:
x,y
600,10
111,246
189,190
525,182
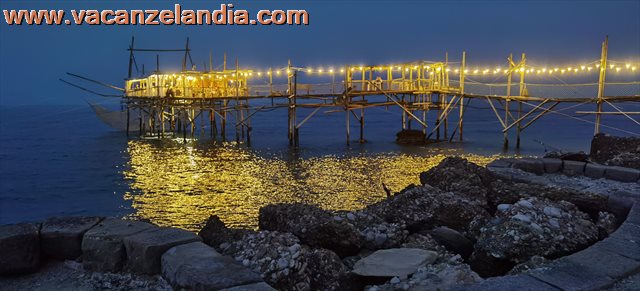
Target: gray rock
x,y
552,211
394,262
144,249
522,218
19,248
622,174
552,165
594,171
196,266
262,286
61,237
102,246
504,207
573,168
453,240
525,204
535,166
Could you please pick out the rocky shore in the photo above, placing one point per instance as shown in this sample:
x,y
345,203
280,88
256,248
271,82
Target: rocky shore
x,y
527,223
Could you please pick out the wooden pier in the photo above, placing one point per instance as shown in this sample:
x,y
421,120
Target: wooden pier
x,y
183,103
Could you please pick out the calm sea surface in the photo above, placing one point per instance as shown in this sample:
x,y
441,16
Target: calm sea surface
x,y
61,160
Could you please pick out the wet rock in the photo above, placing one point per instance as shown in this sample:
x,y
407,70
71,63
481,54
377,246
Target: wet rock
x,y
453,241
215,232
314,226
287,265
102,246
19,248
616,151
394,262
523,232
409,136
144,249
196,266
61,237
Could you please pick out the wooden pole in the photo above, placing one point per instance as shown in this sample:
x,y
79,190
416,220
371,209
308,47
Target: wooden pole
x,y
506,105
127,120
186,53
601,82
131,58
444,99
462,68
523,62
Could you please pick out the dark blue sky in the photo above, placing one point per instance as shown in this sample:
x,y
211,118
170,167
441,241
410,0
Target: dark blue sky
x,y
358,32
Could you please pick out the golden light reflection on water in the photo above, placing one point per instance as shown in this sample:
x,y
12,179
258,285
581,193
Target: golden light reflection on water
x,y
175,184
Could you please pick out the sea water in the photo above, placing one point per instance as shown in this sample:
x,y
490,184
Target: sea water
x,y
61,160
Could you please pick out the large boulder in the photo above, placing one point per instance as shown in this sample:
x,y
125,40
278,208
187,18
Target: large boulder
x,y
19,248
215,232
425,207
102,246
461,176
144,249
286,264
399,262
61,237
616,151
527,228
508,192
314,226
196,266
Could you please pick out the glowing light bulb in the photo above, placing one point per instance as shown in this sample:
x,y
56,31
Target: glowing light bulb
x,y
633,68
618,69
627,65
341,70
475,71
582,67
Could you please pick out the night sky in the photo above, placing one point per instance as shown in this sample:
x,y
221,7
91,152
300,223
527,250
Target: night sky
x,y
356,32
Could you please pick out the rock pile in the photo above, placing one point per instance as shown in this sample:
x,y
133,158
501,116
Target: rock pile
x,y
528,228
286,264
314,226
616,151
